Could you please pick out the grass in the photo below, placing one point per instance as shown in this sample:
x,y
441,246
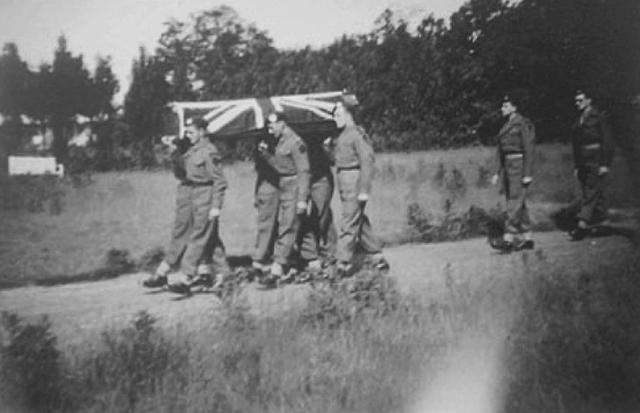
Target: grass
x,y
535,341
71,226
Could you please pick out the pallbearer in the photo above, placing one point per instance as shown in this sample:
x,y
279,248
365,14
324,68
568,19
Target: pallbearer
x,y
195,237
353,155
515,154
290,160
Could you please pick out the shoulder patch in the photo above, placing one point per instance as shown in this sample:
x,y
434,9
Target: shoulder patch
x,y
302,147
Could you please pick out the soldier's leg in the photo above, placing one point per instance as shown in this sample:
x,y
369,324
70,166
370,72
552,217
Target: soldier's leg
x,y
351,214
592,197
288,224
181,225
200,232
321,194
179,237
214,258
267,200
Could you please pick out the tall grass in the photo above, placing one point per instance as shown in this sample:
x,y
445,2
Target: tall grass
x,y
561,344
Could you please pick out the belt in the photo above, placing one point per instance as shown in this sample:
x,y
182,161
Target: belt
x,y
514,155
348,168
591,146
288,175
195,183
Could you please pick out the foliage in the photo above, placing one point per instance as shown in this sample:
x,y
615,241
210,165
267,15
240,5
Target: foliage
x,y
452,226
31,373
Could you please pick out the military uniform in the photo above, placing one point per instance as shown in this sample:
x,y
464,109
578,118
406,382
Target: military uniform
x,y
592,148
202,187
354,161
516,141
290,160
267,200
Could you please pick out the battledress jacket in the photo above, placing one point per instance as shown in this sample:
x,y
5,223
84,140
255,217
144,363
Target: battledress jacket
x,y
202,164
517,136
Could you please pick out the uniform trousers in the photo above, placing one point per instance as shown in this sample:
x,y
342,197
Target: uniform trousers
x,y
355,227
518,220
593,204
195,238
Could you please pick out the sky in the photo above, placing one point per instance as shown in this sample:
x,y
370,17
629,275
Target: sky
x,y
117,28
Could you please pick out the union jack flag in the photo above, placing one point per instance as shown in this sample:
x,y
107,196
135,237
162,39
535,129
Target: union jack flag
x,y
306,113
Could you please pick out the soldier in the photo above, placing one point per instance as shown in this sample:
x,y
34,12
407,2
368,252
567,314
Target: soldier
x,y
353,156
593,152
515,155
290,160
318,234
267,202
198,205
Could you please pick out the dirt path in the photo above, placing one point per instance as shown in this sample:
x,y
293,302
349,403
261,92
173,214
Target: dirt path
x,y
80,311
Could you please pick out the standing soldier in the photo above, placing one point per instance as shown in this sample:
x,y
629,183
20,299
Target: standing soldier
x,y
291,162
593,151
515,154
353,156
198,205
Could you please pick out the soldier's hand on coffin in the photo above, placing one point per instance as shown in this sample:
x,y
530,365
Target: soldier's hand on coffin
x,y
603,170
494,179
526,180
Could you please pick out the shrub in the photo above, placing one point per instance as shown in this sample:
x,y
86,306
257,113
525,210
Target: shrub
x,y
31,372
368,293
133,363
453,225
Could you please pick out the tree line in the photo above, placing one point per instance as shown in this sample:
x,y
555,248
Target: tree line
x,y
436,85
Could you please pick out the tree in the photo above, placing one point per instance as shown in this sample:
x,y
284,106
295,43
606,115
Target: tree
x,y
14,81
145,102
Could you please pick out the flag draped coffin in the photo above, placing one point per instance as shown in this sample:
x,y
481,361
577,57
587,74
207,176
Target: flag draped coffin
x,y
308,114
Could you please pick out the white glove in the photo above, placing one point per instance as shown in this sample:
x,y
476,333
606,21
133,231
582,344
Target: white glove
x,y
494,179
526,180
327,142
603,170
214,213
262,146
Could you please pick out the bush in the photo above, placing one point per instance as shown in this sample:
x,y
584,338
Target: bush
x,y
31,372
368,293
453,225
133,363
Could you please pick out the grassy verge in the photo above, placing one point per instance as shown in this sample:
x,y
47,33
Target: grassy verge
x,y
551,343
